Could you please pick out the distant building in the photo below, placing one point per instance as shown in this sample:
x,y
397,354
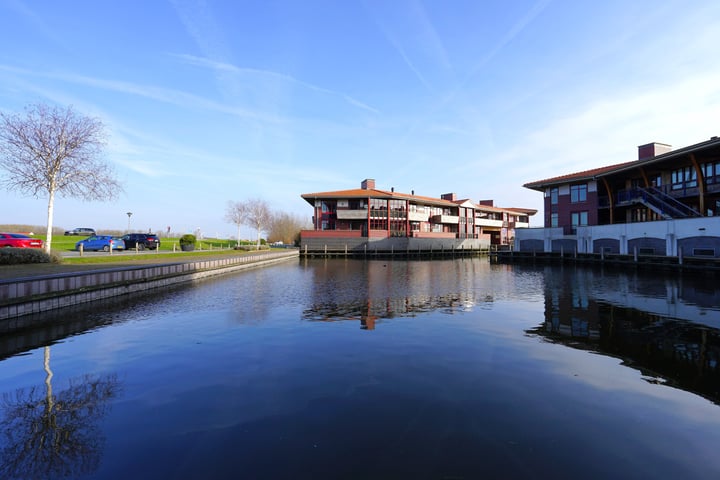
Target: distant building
x,y
667,202
368,219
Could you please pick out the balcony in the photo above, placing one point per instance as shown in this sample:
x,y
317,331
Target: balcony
x,y
352,214
418,216
519,225
448,219
486,222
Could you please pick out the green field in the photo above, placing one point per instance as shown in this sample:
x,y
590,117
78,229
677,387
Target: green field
x,y
169,249
151,257
64,243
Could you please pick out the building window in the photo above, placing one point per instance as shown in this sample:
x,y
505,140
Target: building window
x,y
553,220
639,215
683,178
378,214
579,219
711,172
397,209
578,193
328,206
554,196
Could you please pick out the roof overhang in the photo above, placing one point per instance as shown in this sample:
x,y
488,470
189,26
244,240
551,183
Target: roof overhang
x,y
598,173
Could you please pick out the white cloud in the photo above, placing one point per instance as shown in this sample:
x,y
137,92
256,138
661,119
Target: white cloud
x,y
608,131
263,74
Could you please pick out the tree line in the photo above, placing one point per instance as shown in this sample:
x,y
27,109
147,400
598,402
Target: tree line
x,y
257,214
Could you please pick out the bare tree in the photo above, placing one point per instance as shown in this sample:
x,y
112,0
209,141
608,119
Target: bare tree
x,y
55,435
254,213
52,151
235,213
286,227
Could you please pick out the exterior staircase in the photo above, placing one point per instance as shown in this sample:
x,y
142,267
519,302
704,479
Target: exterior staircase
x,y
667,206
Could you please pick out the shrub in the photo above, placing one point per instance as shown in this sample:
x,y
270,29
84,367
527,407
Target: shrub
x,y
17,256
188,239
55,257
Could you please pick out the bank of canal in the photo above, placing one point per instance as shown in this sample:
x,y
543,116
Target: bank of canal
x,y
24,296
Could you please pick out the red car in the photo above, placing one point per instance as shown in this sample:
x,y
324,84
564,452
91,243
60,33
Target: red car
x,y
18,240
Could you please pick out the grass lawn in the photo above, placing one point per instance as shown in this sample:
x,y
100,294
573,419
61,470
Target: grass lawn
x,y
153,256
106,260
65,243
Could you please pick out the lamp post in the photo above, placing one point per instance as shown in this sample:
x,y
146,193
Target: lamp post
x,y
129,214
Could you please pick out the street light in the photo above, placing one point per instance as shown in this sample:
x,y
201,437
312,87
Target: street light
x,y
129,214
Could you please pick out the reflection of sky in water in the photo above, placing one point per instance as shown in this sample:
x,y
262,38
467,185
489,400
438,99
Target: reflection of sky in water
x,y
270,374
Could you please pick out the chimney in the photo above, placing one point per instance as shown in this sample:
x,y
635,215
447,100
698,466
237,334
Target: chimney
x,y
392,189
653,150
367,184
487,203
448,196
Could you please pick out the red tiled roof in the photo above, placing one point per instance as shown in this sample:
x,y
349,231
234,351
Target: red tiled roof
x,y
527,211
713,143
373,193
540,184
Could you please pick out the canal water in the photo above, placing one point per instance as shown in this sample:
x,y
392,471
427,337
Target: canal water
x,y
344,369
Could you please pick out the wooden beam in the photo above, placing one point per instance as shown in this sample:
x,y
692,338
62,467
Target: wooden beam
x,y
700,182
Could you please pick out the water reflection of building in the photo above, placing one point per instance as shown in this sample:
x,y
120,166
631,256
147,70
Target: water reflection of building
x,y
661,326
369,291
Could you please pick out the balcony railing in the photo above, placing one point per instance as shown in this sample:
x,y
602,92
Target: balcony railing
x,y
352,214
486,222
451,219
657,200
418,216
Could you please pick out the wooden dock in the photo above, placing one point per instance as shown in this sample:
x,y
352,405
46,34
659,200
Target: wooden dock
x,y
418,253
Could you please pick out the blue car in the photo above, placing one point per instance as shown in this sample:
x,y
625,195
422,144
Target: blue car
x,y
101,242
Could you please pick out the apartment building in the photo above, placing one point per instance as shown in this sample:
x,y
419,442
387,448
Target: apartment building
x,y
368,218
666,202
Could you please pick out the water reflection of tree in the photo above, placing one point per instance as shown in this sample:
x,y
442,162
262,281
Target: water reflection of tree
x,y
50,435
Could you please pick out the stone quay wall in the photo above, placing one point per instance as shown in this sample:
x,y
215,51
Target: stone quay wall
x,y
27,296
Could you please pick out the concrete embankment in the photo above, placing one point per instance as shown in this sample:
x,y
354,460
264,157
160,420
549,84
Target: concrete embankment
x,y
25,296
639,262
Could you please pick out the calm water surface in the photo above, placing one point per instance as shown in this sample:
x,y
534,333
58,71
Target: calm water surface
x,y
373,369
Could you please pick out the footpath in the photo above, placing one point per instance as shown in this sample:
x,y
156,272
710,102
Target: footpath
x,y
25,291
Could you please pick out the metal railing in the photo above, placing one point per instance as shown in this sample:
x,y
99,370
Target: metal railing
x,y
663,204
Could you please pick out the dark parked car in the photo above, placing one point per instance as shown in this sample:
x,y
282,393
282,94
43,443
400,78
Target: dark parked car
x,y
81,231
142,240
101,242
18,240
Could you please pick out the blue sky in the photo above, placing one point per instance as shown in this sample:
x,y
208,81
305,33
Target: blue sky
x,y
210,101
